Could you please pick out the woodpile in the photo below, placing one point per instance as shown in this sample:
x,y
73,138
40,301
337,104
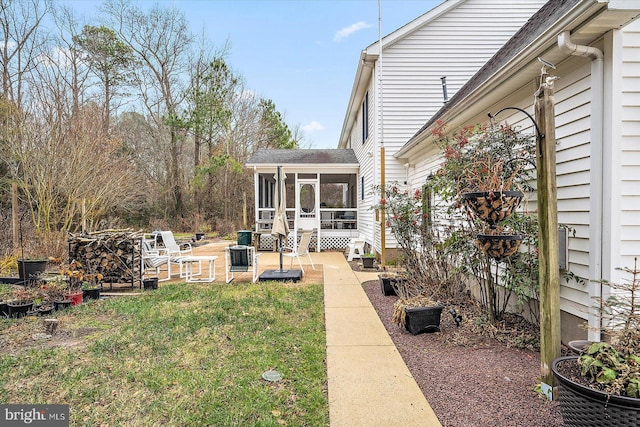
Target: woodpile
x,y
115,254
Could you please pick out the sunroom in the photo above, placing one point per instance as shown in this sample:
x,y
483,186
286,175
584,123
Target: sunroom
x,y
321,192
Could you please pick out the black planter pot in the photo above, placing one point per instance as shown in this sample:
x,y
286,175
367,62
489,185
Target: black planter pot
x,y
578,346
423,319
4,309
582,406
29,269
19,308
367,262
386,284
493,206
46,309
62,304
88,294
151,283
199,236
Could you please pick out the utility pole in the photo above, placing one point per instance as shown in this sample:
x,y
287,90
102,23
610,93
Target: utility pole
x,y
549,270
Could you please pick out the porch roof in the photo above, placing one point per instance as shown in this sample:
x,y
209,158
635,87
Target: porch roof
x,y
274,157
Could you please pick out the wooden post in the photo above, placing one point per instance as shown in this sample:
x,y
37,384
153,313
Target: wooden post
x,y
548,233
244,210
383,221
14,215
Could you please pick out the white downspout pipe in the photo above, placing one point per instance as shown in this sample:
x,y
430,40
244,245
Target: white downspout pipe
x,y
597,178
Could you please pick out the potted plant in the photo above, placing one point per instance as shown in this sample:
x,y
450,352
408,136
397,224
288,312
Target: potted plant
x,y
54,290
77,278
31,269
6,294
388,282
368,259
90,291
417,314
150,283
429,274
21,303
601,387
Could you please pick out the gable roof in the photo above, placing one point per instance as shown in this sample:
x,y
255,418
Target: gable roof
x,y
534,27
538,33
266,156
371,53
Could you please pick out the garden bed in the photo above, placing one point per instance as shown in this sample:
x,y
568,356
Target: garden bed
x,y
473,375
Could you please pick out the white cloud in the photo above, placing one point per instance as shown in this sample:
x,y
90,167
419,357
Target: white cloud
x,y
313,127
347,31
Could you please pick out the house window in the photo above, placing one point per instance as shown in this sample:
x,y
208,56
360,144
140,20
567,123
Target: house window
x,y
365,118
362,188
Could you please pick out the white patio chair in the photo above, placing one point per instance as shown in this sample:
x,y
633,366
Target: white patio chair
x,y
356,248
301,250
175,251
155,259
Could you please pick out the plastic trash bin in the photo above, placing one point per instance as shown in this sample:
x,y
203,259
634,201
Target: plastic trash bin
x,y
244,237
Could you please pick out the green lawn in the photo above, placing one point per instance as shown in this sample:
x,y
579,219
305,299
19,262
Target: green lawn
x,y
183,355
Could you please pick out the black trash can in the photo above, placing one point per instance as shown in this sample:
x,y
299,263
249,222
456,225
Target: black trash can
x,y
244,237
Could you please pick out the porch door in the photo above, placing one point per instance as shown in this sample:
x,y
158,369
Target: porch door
x,y
307,204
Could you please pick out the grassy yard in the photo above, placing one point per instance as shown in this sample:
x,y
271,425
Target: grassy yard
x,y
183,355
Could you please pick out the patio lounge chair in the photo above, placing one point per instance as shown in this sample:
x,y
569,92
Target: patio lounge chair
x,y
240,258
176,252
155,259
302,249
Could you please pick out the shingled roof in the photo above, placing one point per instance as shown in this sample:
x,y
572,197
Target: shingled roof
x,y
306,156
548,14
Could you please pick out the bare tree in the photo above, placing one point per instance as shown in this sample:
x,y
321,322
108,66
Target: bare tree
x,y
160,39
20,43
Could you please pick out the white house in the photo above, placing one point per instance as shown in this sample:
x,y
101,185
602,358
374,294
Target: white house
x,y
453,40
595,46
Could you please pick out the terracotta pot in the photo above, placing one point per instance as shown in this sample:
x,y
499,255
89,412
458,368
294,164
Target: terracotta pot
x,y
75,297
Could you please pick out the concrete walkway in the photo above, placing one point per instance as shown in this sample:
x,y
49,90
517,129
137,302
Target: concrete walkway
x,y
369,384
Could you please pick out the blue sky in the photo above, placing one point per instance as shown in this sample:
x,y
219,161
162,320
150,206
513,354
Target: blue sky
x,y
301,54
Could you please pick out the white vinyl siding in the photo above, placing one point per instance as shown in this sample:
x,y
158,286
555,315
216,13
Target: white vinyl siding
x,y
454,45
629,146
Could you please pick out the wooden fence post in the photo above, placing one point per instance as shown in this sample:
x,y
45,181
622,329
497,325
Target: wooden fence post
x,y
549,277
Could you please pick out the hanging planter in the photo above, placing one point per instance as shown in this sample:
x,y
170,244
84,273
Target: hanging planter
x,y
493,206
499,246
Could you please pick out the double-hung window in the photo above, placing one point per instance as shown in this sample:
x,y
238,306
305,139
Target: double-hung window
x,y
365,118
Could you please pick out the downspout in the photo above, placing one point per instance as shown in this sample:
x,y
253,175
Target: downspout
x,y
596,176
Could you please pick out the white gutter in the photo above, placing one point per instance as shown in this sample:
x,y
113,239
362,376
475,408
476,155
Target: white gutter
x,y
596,175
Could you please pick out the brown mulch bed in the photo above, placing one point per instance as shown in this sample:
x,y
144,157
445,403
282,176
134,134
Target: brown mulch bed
x,y
473,375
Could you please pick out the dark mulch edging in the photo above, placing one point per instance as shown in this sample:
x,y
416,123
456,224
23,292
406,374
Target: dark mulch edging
x,y
469,378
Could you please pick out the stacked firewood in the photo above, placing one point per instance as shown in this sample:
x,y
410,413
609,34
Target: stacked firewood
x,y
115,254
